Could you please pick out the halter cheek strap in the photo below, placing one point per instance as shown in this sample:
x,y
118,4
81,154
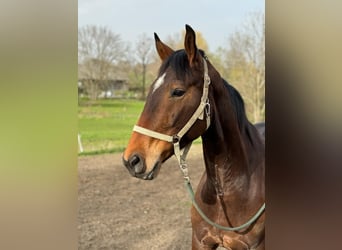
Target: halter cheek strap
x,y
203,110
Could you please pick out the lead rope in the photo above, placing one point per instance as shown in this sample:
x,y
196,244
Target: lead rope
x,y
181,156
248,223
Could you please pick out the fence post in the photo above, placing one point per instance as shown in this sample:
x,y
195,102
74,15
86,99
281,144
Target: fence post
x,y
80,143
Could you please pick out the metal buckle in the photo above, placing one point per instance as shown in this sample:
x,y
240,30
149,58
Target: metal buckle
x,y
207,108
206,79
187,179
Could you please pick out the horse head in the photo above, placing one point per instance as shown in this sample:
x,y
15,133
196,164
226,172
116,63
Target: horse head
x,y
172,100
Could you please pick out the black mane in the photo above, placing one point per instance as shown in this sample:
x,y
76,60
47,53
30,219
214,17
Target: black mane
x,y
237,103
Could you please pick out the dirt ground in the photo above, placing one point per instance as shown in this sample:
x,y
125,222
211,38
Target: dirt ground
x,y
117,211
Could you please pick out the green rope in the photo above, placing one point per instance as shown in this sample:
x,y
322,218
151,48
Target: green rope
x,y
192,196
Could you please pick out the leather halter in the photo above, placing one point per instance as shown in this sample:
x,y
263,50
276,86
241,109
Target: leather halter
x,y
202,110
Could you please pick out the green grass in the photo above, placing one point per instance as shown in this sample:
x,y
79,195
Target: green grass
x,y
105,126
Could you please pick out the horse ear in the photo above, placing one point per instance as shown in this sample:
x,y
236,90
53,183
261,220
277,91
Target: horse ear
x,y
163,50
190,44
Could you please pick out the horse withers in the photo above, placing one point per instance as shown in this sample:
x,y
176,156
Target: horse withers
x,y
189,99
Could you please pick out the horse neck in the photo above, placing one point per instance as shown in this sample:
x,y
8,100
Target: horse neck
x,y
229,155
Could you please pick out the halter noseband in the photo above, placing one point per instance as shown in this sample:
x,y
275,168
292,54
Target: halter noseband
x,y
202,110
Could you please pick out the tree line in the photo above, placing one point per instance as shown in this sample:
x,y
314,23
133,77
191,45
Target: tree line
x,y
103,57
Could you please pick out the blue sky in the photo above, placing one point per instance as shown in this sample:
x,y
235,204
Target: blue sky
x,y
215,19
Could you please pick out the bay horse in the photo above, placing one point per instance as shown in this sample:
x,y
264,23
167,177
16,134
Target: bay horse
x,y
189,99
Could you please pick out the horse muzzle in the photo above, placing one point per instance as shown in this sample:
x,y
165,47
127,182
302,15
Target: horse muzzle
x,y
136,166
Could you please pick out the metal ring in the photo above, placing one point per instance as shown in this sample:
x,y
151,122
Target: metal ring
x,y
175,139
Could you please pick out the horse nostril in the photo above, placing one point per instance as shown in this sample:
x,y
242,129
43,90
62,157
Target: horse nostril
x,y
136,164
134,160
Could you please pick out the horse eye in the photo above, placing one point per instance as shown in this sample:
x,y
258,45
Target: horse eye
x,y
177,92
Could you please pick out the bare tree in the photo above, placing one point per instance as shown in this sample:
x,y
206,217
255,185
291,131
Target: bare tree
x,y
99,50
246,64
143,52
